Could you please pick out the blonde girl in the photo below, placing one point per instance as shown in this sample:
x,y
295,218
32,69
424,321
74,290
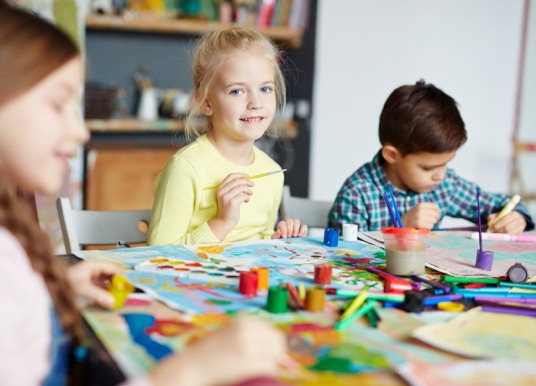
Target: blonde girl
x,y
203,195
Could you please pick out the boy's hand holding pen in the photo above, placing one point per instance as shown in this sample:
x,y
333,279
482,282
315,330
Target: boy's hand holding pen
x,y
507,220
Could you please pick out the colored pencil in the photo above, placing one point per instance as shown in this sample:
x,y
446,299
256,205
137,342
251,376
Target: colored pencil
x,y
250,178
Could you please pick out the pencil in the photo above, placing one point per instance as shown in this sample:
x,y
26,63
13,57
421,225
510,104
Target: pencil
x,y
250,177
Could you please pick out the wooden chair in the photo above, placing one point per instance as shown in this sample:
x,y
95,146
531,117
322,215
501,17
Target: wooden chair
x,y
88,227
313,213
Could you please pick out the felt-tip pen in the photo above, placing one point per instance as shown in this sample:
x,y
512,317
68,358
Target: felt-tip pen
x,y
433,284
465,279
433,300
505,237
504,299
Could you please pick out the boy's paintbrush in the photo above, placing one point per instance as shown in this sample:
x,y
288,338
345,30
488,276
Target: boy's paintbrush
x,y
251,177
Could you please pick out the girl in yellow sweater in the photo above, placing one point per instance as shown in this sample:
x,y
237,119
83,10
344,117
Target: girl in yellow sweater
x,y
238,86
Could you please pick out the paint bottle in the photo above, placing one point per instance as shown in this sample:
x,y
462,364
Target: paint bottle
x,y
277,299
263,275
331,237
314,299
248,284
323,274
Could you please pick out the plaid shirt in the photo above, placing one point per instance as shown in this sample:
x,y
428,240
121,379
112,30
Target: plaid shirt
x,y
360,200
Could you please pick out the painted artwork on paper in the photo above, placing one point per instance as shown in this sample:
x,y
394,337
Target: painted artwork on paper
x,y
455,254
204,278
469,334
360,355
472,373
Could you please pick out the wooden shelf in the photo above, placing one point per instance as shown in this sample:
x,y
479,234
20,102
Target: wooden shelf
x,y
288,130
284,36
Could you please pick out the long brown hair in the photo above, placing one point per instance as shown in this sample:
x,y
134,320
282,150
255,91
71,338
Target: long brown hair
x,y
30,49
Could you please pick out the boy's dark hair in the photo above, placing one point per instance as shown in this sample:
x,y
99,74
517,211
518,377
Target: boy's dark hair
x,y
421,118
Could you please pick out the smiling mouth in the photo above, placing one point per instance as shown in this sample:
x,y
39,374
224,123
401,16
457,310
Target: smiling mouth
x,y
252,119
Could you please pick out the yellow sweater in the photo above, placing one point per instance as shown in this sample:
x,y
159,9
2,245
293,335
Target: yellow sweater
x,y
182,207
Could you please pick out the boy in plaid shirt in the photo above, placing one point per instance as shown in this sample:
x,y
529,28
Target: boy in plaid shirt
x,y
420,131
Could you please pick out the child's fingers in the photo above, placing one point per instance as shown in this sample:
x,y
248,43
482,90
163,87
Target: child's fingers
x,y
512,223
96,294
295,227
276,235
283,229
102,268
236,195
233,180
303,230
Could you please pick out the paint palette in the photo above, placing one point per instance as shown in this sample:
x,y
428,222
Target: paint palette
x,y
204,272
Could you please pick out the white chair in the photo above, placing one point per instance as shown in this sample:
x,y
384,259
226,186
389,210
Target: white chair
x,y
88,227
313,213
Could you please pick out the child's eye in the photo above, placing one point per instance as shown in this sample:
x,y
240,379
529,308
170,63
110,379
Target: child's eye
x,y
236,92
266,89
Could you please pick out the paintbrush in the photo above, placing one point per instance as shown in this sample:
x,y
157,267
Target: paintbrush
x,y
251,177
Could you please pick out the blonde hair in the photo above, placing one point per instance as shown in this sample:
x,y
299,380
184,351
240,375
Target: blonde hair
x,y
211,51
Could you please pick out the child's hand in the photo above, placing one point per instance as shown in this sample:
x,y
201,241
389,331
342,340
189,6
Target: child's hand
x,y
290,228
512,223
245,348
424,215
86,279
233,191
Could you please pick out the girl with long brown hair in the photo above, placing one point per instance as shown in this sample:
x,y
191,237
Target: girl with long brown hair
x,y
41,72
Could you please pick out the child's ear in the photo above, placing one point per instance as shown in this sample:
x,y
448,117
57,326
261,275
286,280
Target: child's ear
x,y
390,153
206,109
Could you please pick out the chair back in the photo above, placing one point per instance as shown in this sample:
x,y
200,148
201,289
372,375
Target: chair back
x,y
313,213
88,227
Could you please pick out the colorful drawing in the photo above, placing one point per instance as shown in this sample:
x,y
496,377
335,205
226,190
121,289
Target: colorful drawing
x,y
455,254
205,278
360,355
484,335
472,373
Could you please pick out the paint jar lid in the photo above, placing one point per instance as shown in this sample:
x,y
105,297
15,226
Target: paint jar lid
x,y
405,231
517,273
